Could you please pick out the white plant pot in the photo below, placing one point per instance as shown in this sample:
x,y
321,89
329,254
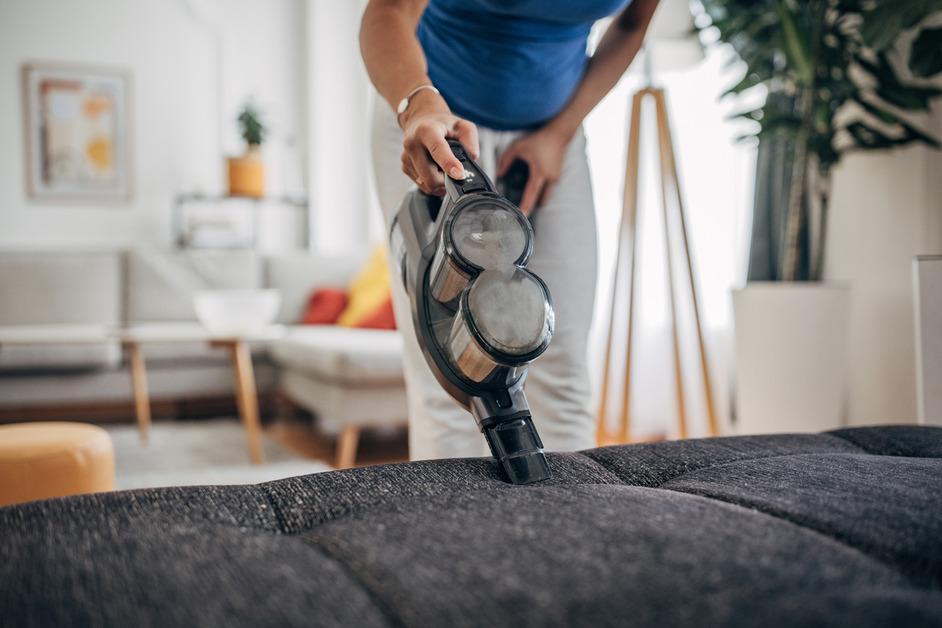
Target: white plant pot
x,y
791,356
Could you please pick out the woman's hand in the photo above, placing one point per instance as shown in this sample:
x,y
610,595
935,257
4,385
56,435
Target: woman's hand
x,y
544,151
425,152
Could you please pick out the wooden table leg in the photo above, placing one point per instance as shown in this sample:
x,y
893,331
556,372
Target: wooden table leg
x,y
247,396
347,447
139,387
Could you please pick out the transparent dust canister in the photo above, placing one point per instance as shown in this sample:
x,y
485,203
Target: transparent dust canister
x,y
504,319
485,234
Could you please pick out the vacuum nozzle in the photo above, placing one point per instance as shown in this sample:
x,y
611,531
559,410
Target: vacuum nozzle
x,y
516,445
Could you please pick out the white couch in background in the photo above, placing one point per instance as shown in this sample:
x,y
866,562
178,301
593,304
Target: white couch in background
x,y
348,378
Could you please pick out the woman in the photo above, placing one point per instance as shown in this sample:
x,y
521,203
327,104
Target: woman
x,y
510,80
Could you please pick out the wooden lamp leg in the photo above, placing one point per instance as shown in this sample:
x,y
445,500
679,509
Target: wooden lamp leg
x,y
669,168
670,185
626,235
675,335
631,202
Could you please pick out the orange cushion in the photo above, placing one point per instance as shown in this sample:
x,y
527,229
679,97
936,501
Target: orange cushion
x,y
325,306
382,318
368,292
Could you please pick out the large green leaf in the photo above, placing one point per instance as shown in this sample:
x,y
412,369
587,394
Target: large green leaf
x,y
866,136
883,23
890,118
925,56
891,89
797,47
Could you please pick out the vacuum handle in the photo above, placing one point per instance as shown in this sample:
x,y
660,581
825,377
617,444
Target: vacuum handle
x,y
475,179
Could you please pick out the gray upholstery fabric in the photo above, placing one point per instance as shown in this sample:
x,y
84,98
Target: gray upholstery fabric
x,y
839,529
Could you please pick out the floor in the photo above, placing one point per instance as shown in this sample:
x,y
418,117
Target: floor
x,y
214,451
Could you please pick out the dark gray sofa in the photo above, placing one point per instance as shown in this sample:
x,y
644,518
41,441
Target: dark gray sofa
x,y
836,529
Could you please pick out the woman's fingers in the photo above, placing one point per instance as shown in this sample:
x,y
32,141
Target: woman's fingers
x,y
407,167
531,192
467,134
434,185
547,192
506,159
423,170
437,146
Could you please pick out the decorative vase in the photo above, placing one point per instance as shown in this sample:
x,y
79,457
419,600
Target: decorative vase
x,y
247,174
791,352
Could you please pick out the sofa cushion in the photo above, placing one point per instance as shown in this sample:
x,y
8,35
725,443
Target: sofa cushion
x,y
67,357
47,288
161,284
714,532
338,354
52,288
297,275
337,406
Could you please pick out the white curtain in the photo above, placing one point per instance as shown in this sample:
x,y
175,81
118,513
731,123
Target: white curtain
x,y
716,175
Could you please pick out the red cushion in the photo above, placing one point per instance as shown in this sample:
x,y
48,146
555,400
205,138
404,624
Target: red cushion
x,y
381,318
324,306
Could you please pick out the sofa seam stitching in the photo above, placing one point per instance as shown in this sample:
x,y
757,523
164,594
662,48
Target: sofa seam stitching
x,y
781,517
732,462
870,450
601,466
378,601
276,510
746,459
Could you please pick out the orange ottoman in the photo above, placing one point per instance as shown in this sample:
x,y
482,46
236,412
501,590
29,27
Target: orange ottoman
x,y
40,460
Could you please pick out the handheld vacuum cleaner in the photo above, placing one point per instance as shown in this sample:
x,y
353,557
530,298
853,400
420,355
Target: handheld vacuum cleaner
x,y
479,314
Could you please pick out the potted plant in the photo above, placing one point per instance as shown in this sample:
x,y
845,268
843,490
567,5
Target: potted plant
x,y
839,76
247,173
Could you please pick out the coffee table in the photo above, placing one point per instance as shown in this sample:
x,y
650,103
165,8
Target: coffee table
x,y
237,345
133,337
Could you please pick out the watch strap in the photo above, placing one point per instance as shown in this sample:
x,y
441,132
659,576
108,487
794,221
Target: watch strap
x,y
405,102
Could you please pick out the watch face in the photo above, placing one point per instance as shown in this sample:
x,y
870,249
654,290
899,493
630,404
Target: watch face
x,y
511,311
489,236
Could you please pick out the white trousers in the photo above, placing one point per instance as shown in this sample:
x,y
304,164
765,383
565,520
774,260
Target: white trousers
x,y
564,256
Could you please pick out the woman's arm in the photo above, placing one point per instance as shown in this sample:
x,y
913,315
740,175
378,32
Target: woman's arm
x,y
544,149
396,65
615,52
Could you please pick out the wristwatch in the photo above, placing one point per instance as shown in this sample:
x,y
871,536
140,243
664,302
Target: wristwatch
x,y
404,103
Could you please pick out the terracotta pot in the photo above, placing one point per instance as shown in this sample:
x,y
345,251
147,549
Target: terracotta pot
x,y
247,174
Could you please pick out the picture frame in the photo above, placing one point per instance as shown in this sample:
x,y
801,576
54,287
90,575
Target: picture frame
x,y
77,126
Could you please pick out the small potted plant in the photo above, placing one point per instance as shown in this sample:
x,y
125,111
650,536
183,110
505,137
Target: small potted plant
x,y
840,76
247,173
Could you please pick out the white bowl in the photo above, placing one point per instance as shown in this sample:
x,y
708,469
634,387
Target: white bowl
x,y
236,311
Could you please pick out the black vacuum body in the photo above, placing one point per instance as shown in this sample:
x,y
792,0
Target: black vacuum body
x,y
479,314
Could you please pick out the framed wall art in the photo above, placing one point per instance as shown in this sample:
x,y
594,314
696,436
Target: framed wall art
x,y
77,132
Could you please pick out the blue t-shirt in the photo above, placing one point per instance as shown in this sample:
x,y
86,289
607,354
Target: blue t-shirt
x,y
508,64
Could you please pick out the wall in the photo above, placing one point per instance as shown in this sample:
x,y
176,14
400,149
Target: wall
x,y
344,210
192,63
887,208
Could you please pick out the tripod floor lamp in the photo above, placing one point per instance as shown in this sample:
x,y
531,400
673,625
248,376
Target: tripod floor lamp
x,y
626,263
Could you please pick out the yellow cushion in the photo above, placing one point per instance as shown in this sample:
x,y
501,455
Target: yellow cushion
x,y
40,460
369,290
